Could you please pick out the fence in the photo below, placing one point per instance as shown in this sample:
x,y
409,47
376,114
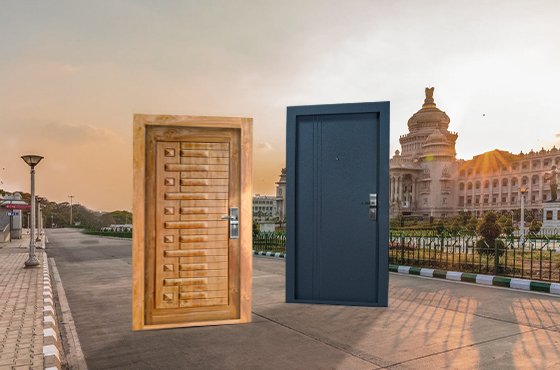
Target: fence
x,y
535,257
269,242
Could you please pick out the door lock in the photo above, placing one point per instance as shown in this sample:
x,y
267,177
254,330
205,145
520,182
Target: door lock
x,y
373,206
233,218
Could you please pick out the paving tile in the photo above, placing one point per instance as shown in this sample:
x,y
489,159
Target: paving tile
x,y
21,309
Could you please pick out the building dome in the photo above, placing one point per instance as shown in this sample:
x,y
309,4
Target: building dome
x,y
429,117
437,137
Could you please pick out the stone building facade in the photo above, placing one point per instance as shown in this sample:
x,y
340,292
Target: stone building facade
x,y
427,179
264,208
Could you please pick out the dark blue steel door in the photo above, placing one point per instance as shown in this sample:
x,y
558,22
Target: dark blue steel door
x,y
337,157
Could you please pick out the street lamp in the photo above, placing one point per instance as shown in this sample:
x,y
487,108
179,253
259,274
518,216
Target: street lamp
x,y
523,190
71,198
32,161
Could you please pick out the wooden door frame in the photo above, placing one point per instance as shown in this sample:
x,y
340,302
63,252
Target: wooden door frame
x,y
141,123
380,108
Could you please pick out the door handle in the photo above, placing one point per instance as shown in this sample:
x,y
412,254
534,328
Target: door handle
x,y
233,218
373,206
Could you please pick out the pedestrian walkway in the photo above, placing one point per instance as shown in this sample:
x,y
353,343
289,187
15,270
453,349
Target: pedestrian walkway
x,y
21,308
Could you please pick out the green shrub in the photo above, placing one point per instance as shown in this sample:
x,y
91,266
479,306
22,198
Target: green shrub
x,y
484,247
535,226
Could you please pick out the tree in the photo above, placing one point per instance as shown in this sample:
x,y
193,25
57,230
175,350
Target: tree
x,y
455,226
472,225
508,227
490,230
535,226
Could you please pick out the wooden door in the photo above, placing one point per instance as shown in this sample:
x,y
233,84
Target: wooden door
x,y
192,240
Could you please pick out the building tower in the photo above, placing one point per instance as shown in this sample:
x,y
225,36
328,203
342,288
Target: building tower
x,y
423,173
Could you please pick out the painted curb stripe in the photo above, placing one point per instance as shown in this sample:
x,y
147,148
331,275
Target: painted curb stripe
x,y
555,288
501,281
415,270
440,274
468,277
539,286
269,254
484,279
453,275
520,284
404,269
427,272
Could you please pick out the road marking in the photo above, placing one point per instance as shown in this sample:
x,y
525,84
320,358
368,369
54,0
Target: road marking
x,y
75,356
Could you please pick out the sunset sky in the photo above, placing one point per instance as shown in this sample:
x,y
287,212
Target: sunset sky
x,y
72,74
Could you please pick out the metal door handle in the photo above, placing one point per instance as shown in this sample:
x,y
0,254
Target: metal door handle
x,y
233,218
373,206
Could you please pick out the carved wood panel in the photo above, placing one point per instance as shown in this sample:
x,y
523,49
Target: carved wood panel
x,y
187,270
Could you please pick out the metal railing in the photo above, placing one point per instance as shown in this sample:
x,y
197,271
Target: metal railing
x,y
534,257
269,242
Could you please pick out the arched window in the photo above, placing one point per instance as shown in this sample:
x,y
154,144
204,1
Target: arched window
x,y
495,183
477,185
505,182
462,186
469,186
486,184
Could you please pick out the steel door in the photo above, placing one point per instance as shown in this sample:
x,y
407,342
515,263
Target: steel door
x,y
337,204
196,257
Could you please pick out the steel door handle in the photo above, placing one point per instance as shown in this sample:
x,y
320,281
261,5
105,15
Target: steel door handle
x,y
233,218
373,206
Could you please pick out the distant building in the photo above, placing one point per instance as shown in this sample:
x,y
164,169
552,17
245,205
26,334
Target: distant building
x,y
281,195
264,208
428,180
11,212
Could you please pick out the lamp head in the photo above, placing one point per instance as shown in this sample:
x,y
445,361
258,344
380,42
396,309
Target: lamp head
x,y
31,159
523,189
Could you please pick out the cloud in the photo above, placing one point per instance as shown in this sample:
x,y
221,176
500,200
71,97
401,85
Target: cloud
x,y
264,146
74,133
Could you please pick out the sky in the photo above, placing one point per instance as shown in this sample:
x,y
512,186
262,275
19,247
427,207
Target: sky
x,y
72,74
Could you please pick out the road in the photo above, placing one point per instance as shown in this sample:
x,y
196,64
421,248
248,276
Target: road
x,y
429,323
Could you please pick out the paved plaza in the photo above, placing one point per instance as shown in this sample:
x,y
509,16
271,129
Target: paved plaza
x,y
21,308
430,324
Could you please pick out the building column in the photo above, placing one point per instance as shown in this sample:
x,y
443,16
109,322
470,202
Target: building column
x,y
500,192
400,195
392,188
396,188
413,192
508,200
541,186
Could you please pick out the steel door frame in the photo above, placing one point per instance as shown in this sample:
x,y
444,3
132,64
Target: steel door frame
x,y
382,109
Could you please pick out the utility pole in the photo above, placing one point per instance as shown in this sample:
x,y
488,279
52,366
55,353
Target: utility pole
x,y
71,198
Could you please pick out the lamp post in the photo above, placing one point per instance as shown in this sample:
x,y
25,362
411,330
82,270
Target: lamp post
x,y
39,221
71,198
32,161
523,190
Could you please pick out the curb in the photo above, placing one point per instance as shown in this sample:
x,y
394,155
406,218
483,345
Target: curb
x,y
51,333
269,254
481,279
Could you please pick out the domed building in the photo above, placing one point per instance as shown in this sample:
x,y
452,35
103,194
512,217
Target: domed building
x,y
427,179
423,173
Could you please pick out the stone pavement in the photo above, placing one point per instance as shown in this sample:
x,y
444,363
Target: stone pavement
x,y
21,308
